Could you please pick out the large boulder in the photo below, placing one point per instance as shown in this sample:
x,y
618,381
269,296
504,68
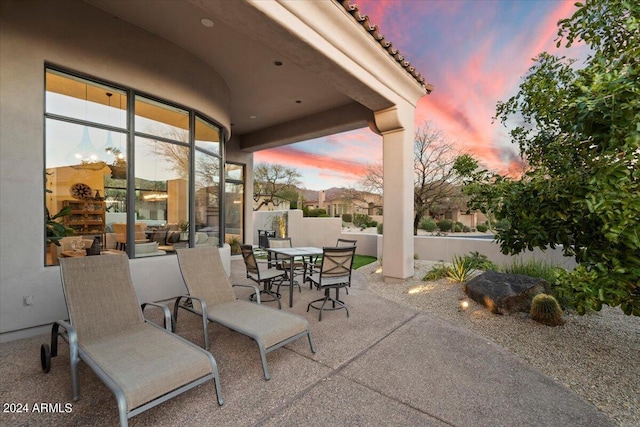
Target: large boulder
x,y
504,293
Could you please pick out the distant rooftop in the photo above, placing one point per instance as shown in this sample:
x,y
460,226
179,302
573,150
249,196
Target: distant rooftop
x,y
363,20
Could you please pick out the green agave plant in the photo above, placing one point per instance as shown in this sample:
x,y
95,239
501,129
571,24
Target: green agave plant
x,y
461,270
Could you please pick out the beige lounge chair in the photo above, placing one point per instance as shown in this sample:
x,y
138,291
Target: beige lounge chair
x,y
211,293
141,363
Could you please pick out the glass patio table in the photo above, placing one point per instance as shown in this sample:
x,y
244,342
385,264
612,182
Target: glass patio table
x,y
290,254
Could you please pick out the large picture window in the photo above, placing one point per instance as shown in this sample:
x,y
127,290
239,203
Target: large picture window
x,y
126,171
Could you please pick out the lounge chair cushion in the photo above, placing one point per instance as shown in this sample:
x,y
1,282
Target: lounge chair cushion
x,y
136,359
264,324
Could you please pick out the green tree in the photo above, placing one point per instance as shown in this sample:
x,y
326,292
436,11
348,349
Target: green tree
x,y
580,134
273,183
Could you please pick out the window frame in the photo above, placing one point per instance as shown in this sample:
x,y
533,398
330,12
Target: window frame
x,y
131,135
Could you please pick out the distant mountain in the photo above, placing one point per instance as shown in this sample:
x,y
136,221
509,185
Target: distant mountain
x,y
329,194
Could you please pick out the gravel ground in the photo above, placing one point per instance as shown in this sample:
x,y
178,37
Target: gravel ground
x,y
596,355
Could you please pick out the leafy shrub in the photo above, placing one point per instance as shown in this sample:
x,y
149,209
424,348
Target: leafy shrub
x,y
372,223
347,217
317,212
466,229
444,225
379,228
438,271
457,229
503,224
459,224
482,228
427,224
323,216
361,219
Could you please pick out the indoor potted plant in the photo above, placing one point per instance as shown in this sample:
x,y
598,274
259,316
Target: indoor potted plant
x,y
183,226
56,231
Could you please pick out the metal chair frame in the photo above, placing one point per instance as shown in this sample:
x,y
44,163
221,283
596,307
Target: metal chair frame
x,y
335,273
265,277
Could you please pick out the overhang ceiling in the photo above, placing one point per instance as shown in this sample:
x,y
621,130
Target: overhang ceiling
x,y
243,47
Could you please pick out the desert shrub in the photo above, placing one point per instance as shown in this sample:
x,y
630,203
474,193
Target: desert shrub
x,y
461,269
444,225
323,216
479,261
482,228
347,217
546,310
438,271
427,224
457,229
360,220
379,228
466,229
534,268
372,223
459,224
317,212
503,224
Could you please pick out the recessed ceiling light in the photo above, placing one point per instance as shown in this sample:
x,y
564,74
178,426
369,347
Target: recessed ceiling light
x,y
206,22
252,117
277,63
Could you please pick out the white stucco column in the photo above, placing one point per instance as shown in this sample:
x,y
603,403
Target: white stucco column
x,y
396,125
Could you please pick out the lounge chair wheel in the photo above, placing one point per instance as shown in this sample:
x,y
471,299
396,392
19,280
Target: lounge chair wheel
x,y
45,358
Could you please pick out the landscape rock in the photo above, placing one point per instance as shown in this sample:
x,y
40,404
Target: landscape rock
x,y
504,293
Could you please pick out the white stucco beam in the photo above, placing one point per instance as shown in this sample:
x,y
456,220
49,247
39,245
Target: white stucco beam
x,y
341,119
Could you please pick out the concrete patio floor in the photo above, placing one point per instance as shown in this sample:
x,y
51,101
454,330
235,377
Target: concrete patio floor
x,y
384,365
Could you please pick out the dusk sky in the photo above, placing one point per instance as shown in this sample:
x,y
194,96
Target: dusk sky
x,y
474,52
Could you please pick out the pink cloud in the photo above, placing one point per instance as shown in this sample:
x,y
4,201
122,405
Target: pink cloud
x,y
296,158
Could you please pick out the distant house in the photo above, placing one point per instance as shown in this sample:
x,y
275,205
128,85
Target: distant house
x,y
339,201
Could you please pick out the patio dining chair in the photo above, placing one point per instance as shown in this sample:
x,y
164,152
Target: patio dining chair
x,y
141,363
285,265
335,273
315,264
261,275
213,298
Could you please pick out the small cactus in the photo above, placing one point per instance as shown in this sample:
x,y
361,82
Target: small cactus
x,y
546,310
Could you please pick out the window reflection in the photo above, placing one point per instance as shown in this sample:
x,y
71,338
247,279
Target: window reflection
x,y
207,137
162,192
154,118
86,170
80,161
207,202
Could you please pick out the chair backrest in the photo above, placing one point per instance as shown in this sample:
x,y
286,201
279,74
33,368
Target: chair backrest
x,y
204,275
99,294
120,230
249,260
337,262
139,230
279,242
345,242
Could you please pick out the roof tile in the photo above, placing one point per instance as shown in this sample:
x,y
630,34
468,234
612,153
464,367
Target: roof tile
x,y
372,29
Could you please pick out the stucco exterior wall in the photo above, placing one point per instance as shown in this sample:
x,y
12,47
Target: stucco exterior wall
x,y
76,36
445,248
